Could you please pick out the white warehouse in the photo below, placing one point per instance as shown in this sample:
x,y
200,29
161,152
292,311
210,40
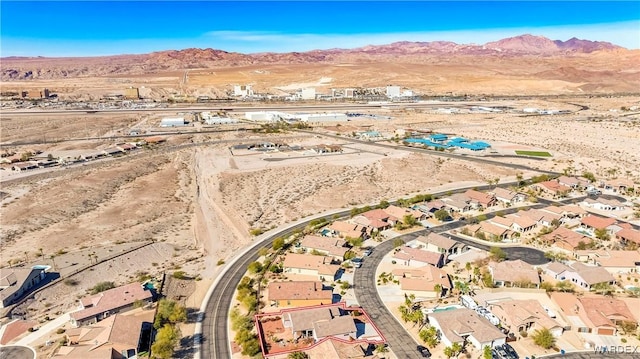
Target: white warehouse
x,y
393,91
322,117
308,94
268,116
173,122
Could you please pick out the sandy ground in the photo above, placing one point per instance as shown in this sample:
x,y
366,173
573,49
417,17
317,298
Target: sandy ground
x,y
199,204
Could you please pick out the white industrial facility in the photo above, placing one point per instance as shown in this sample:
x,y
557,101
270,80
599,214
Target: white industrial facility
x,y
242,90
268,116
308,93
210,119
322,117
393,91
173,122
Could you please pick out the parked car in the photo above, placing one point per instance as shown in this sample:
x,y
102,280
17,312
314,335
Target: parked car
x,y
501,352
424,351
368,252
512,352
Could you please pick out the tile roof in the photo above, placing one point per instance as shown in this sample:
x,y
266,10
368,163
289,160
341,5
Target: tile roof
x,y
562,234
458,322
504,194
307,261
597,222
302,290
630,235
480,197
305,318
334,246
592,274
554,186
514,271
378,214
423,278
601,311
437,240
336,326
112,299
517,313
419,255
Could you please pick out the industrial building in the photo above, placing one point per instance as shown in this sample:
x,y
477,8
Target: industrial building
x,y
209,119
393,91
268,116
132,93
242,90
173,122
322,117
308,94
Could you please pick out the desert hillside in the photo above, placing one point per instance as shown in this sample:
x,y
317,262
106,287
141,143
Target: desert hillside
x,y
520,65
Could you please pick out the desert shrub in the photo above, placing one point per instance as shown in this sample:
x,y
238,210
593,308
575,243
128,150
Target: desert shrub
x,y
102,286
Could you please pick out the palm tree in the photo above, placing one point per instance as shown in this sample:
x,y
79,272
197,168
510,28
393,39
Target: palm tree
x,y
41,253
438,289
26,256
52,257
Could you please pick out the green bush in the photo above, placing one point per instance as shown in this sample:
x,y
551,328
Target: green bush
x,y
102,286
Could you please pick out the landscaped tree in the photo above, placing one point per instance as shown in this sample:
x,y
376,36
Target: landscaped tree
x,y
165,341
486,353
398,243
589,176
355,241
564,286
381,348
254,267
544,338
441,214
409,220
438,289
602,288
628,327
448,351
497,254
278,243
298,355
602,234
169,312
430,336
102,286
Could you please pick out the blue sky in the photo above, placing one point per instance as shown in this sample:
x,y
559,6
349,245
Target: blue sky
x,y
91,28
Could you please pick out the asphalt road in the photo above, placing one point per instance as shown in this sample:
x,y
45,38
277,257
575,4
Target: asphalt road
x,y
17,352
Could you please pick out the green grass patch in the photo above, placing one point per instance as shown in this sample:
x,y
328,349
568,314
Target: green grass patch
x,y
533,153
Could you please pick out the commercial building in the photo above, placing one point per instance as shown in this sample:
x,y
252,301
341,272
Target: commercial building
x,y
132,93
393,91
173,122
242,90
308,93
322,117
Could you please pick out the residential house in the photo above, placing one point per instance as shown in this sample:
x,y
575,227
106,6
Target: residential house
x,y
555,269
423,281
318,266
542,218
592,223
620,185
480,199
585,277
334,322
615,262
524,316
553,188
400,213
438,243
298,294
415,257
458,202
430,207
604,204
627,236
332,247
465,325
116,300
516,223
116,337
565,238
573,182
490,231
375,220
508,197
598,315
18,281
516,273
348,230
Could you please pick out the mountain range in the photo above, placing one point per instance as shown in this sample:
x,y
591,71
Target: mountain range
x,y
527,46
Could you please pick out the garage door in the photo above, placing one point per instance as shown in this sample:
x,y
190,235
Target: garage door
x,y
605,331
